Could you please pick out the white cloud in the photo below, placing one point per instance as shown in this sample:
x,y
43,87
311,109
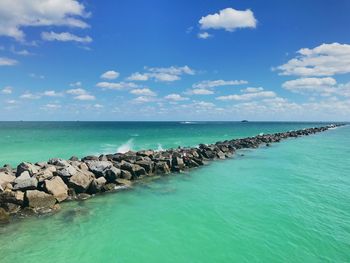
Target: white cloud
x,y
11,101
7,61
17,14
144,99
249,96
98,106
52,106
229,19
35,76
309,84
323,60
76,84
169,74
85,97
143,92
204,35
111,74
52,93
80,94
252,89
29,96
64,36
7,90
137,76
22,52
200,92
116,85
217,83
175,97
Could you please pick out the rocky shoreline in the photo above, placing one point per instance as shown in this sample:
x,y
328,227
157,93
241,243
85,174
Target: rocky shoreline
x,y
35,189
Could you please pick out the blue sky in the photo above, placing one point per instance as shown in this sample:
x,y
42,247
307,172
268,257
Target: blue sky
x,y
174,60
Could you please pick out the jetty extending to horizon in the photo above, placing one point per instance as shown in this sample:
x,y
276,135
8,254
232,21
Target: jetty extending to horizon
x,y
34,189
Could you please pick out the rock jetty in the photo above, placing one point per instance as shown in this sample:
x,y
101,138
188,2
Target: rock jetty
x,y
34,189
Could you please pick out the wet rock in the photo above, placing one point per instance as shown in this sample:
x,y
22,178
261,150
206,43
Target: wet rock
x,y
220,155
13,197
74,159
25,182
89,158
97,184
80,181
177,164
126,175
57,188
112,174
58,162
135,169
147,165
38,199
4,216
66,172
162,168
83,196
45,174
26,167
108,187
124,182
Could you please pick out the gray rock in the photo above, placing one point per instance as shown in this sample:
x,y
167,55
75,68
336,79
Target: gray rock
x,y
57,188
29,167
25,182
38,199
12,197
58,162
162,168
99,167
112,174
97,184
80,181
126,175
147,165
66,172
135,169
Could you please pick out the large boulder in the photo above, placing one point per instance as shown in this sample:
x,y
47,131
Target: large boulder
x,y
29,167
57,188
97,185
81,181
112,174
147,165
12,197
126,175
38,199
58,162
66,172
162,168
135,169
5,179
99,167
45,174
25,182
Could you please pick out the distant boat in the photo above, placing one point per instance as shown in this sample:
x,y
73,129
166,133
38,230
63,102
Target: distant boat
x,y
244,121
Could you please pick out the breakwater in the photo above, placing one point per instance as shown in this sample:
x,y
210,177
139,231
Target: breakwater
x,y
40,187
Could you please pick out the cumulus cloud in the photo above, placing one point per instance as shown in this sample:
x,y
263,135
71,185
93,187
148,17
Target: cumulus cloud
x,y
217,83
229,19
323,60
80,94
144,99
204,35
17,14
169,74
7,90
64,37
7,61
175,97
200,91
52,93
252,89
249,96
143,92
116,85
309,84
110,74
30,96
51,106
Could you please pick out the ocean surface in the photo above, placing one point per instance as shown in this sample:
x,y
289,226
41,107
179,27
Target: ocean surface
x,y
286,203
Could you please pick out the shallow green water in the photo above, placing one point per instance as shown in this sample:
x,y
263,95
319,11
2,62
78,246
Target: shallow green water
x,y
285,203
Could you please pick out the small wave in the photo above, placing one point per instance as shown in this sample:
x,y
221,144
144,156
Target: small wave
x,y
187,122
125,147
134,135
160,148
261,133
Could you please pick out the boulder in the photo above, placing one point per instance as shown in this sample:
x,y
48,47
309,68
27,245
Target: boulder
x,y
13,197
80,181
112,174
45,174
108,187
135,169
57,188
58,162
66,172
220,155
162,168
25,182
126,175
29,167
38,199
178,163
5,179
96,185
147,165
4,216
123,182
99,167
89,158
74,159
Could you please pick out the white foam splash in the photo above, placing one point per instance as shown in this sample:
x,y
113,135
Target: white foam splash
x,y
160,148
125,147
261,133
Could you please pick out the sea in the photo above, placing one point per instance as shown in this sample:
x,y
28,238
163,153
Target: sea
x,y
289,202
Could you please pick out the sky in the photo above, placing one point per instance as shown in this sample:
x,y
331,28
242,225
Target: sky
x,y
175,60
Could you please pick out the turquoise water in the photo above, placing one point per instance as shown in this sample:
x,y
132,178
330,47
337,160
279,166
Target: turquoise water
x,y
285,203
